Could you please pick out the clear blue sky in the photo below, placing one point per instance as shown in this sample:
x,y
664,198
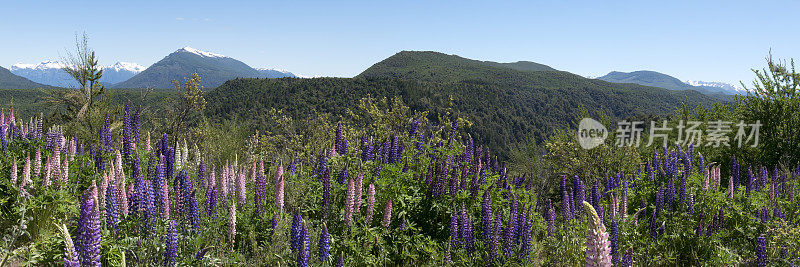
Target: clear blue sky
x,y
697,40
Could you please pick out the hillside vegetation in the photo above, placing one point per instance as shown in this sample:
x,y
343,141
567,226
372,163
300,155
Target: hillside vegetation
x,y
503,104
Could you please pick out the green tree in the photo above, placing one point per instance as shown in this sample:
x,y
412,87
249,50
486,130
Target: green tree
x,y
82,66
774,100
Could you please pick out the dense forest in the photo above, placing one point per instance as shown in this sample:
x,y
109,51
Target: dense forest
x,y
504,105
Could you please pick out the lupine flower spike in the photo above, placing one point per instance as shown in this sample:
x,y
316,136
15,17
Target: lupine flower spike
x,y
598,249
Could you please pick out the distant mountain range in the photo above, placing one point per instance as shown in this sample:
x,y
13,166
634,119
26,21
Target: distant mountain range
x,y
657,79
10,80
50,72
214,69
274,73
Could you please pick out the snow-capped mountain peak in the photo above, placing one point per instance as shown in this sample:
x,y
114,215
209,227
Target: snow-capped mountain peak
x,y
199,52
274,69
730,88
50,72
44,65
129,66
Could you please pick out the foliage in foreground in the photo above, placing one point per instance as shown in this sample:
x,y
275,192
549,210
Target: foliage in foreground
x,y
395,191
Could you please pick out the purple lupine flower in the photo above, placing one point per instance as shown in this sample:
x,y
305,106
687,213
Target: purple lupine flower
x,y
510,238
454,242
467,232
447,259
494,242
88,236
303,247
326,193
412,129
340,262
338,142
525,235
366,148
659,200
700,221
342,176
627,259
171,245
112,213
735,172
566,214
612,232
70,255
580,195
761,251
598,249
274,223
653,227
778,213
387,214
486,216
595,196
211,201
193,213
324,244
296,232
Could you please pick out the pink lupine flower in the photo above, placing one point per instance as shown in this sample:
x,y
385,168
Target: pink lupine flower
x,y
772,191
791,194
370,202
26,172
730,188
14,172
65,172
279,187
122,196
55,168
706,181
223,182
118,166
147,142
387,215
278,172
349,202
46,182
102,192
358,188
232,223
95,198
212,179
614,205
165,200
598,249
73,148
624,205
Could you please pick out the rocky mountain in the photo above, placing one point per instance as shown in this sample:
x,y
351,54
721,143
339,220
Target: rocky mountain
x,y
9,80
213,68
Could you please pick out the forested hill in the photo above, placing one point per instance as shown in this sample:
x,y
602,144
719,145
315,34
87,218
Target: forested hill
x,y
505,104
9,80
501,114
